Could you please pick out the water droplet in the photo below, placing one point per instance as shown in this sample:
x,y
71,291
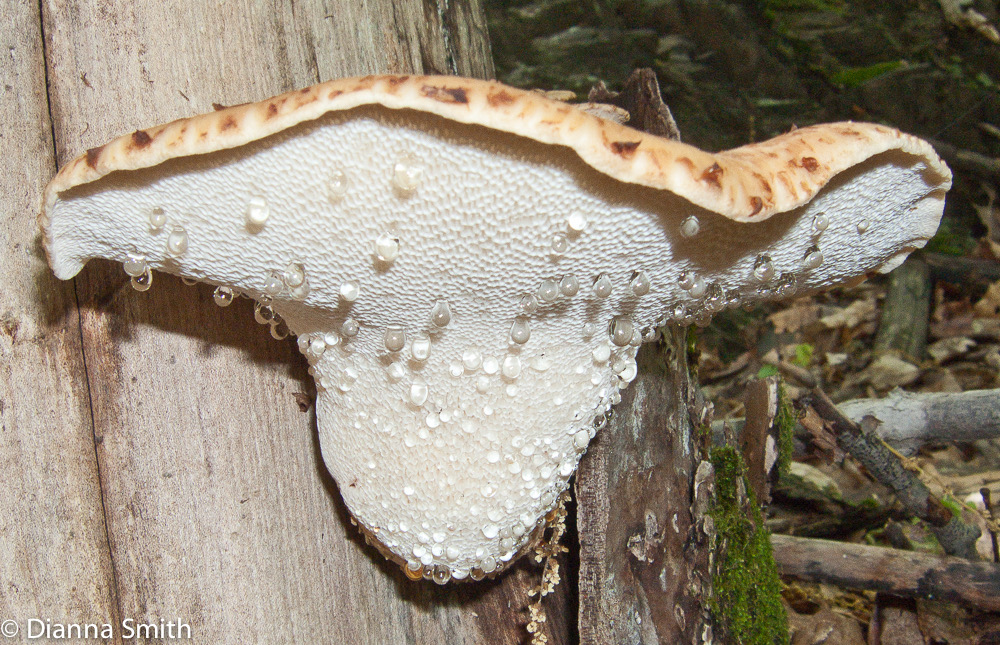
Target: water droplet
x,y
699,287
387,247
813,258
143,281
529,304
763,268
680,311
559,244
589,329
820,223
295,275
350,327
273,284
396,372
690,227
300,292
863,226
407,174
348,377
576,222
581,439
452,553
134,265
472,358
418,391
602,353
263,314
491,531
420,348
336,186
520,331
639,283
489,564
223,296
602,286
620,330
786,284
257,213
511,367
686,280
177,241
569,286
442,574
548,291
350,290
395,338
441,314
477,574
157,219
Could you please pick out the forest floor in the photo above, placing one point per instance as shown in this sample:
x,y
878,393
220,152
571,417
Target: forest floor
x,y
736,72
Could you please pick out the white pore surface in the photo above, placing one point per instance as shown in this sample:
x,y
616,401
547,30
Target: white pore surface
x,y
457,483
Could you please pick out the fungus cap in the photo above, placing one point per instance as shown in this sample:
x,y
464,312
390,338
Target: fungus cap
x,y
470,268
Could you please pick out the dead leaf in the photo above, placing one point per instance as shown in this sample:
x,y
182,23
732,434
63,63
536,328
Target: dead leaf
x,y
989,305
856,313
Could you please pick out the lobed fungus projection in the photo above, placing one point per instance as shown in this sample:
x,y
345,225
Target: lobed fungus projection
x,y
470,268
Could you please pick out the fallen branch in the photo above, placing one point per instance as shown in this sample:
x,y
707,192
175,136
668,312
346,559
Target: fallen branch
x,y
863,443
912,420
957,270
902,573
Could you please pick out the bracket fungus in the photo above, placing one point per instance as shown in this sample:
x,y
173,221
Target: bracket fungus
x,y
470,269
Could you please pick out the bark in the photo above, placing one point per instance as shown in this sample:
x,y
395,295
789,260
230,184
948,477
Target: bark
x,y
902,573
905,312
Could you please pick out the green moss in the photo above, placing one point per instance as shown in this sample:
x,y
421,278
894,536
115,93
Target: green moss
x,y
953,237
803,355
767,370
746,600
785,420
952,505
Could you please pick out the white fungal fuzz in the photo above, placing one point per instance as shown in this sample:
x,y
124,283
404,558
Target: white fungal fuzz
x,y
536,259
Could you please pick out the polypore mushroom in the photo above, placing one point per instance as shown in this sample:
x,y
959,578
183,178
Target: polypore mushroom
x,y
470,269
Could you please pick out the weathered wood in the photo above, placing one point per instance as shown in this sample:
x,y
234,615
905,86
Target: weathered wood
x,y
54,559
641,568
906,310
902,573
219,510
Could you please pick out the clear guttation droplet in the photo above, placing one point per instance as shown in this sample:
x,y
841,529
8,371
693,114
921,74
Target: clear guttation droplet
x,y
396,372
134,265
419,391
188,282
863,226
257,213
511,367
440,314
263,314
223,296
300,292
143,281
472,358
529,303
820,223
387,248
420,349
442,574
589,329
602,286
559,244
407,174
763,268
295,274
520,331
813,258
273,284
786,284
177,241
690,227
639,283
576,222
350,290
620,330
569,286
395,338
337,186
548,291
350,327
686,280
716,300
699,287
157,219
279,330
